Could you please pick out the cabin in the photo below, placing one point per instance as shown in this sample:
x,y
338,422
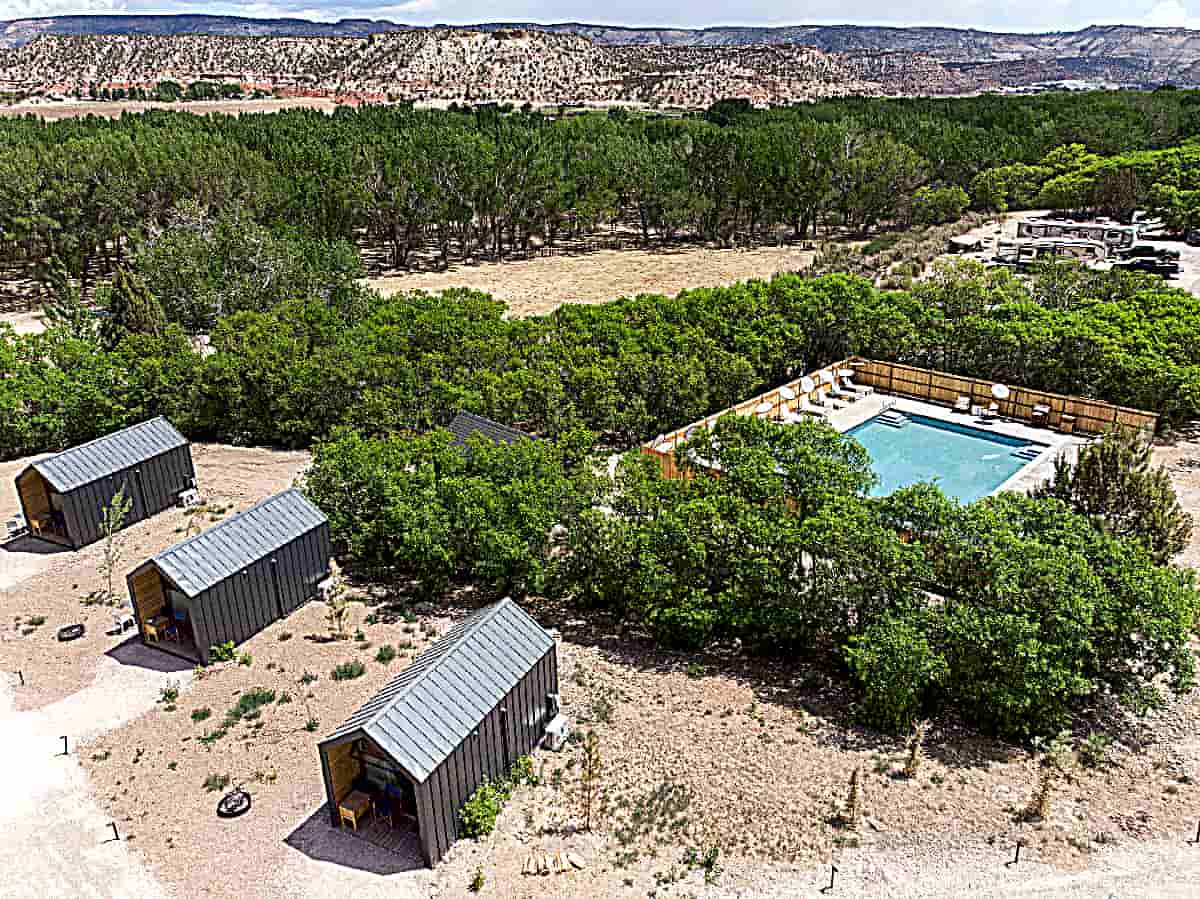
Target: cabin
x,y
64,496
466,425
463,712
233,580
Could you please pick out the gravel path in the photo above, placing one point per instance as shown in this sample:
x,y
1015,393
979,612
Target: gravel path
x,y
1157,870
54,833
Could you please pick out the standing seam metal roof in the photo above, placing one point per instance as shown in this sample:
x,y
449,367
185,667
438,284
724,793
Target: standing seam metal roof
x,y
96,459
225,549
467,424
421,716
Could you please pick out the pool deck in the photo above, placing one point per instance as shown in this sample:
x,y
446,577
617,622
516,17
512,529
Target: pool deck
x,y
1030,476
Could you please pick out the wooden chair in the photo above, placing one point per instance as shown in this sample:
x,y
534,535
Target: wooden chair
x,y
347,817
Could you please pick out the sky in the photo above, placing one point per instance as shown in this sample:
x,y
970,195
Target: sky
x,y
1013,15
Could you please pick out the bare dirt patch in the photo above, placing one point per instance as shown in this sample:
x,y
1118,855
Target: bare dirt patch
x,y
536,286
698,752
43,581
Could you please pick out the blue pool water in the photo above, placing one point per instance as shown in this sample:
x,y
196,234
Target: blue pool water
x,y
966,463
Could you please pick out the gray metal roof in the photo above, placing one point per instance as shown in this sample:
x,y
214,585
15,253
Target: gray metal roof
x,y
423,715
225,549
88,462
468,424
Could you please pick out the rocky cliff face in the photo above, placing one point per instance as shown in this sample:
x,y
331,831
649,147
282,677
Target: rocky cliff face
x,y
525,65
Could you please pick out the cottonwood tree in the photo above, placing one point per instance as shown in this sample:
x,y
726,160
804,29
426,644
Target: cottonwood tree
x,y
111,524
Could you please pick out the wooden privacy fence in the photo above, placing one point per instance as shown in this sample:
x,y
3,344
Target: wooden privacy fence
x,y
1066,413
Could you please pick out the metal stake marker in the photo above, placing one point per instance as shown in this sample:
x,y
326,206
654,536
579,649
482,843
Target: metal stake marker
x,y
64,739
1197,840
1016,858
832,874
116,837
21,675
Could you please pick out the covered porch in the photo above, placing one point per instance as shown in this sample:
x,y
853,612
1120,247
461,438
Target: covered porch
x,y
370,796
43,506
163,613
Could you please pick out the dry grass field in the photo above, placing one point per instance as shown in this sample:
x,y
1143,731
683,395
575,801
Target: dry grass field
x,y
537,286
72,109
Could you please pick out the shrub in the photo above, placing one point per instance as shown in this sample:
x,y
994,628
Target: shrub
x,y
245,659
284,699
215,782
37,620
386,654
896,666
479,813
210,738
311,725
1093,752
285,636
248,705
223,652
477,880
307,678
169,693
348,671
201,714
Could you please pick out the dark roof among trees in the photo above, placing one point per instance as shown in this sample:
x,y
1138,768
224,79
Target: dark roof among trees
x,y
99,458
466,424
226,548
423,715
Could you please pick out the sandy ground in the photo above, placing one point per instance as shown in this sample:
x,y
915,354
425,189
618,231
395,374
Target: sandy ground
x,y
57,841
24,322
42,580
536,286
72,109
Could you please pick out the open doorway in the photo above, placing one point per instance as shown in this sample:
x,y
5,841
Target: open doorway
x,y
372,797
43,507
163,613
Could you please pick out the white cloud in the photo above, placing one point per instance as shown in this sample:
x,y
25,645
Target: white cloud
x,y
18,9
1171,14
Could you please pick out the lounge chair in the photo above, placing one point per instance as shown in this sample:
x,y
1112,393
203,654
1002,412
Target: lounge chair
x,y
1041,413
830,401
962,404
858,389
992,411
806,406
844,396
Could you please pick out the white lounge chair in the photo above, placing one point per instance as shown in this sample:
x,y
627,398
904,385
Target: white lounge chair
x,y
962,404
829,401
844,396
806,406
859,389
992,411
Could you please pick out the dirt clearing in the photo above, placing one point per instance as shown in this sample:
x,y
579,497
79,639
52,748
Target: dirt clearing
x,y
537,286
44,585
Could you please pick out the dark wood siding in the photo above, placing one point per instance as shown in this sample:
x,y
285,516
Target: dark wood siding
x,y
153,485
245,603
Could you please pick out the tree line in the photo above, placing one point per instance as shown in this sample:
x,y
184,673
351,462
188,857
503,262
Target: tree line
x,y
1017,612
492,181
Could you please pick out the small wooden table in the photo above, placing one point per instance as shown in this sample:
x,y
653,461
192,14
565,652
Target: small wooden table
x,y
352,808
155,627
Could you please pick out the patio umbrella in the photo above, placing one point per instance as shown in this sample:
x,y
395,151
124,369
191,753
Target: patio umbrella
x,y
787,393
846,372
1000,391
807,384
764,408
826,376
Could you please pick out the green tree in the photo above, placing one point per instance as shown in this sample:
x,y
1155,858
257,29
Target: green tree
x,y
1115,484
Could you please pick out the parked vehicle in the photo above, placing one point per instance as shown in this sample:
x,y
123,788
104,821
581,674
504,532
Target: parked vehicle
x,y
1164,267
1193,237
1145,251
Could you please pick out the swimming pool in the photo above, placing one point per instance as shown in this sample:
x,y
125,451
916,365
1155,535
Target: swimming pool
x,y
966,463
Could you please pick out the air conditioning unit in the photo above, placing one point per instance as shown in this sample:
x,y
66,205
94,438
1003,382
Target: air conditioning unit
x,y
189,498
557,732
